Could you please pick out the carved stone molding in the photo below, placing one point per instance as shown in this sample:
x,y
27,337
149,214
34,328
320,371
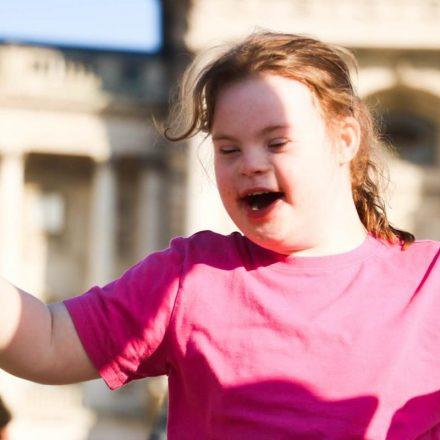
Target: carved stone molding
x,y
359,23
37,71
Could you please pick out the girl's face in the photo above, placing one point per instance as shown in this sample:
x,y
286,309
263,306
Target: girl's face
x,y
283,177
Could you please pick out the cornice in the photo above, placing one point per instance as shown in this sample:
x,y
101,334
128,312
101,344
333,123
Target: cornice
x,y
378,24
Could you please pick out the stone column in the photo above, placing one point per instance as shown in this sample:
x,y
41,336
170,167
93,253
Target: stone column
x,y
11,206
149,212
102,250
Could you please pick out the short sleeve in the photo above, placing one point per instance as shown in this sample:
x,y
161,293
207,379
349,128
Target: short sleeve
x,y
123,325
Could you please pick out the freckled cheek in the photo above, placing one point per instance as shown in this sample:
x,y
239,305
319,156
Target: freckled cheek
x,y
224,175
289,179
299,188
220,176
225,187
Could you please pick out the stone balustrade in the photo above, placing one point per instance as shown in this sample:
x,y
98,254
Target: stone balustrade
x,y
43,72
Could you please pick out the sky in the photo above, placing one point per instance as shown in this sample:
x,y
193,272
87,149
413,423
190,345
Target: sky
x,y
129,25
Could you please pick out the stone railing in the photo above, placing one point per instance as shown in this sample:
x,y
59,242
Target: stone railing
x,y
37,71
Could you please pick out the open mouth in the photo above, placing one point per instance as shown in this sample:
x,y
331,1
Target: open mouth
x,y
261,200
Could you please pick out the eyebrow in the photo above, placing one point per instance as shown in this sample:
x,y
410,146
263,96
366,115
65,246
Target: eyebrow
x,y
265,130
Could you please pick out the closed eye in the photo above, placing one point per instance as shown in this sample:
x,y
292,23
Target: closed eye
x,y
278,143
228,150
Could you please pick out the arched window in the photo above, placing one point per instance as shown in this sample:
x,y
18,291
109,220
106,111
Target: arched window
x,y
413,136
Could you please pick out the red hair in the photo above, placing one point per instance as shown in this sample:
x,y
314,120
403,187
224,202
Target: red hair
x,y
325,69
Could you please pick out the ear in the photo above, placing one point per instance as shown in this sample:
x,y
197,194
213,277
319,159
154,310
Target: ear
x,y
348,139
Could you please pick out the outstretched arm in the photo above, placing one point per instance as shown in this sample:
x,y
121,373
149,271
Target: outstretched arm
x,y
38,342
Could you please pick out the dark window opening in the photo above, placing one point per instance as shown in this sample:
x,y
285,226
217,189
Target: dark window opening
x,y
413,137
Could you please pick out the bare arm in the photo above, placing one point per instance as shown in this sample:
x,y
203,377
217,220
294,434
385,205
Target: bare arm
x,y
39,342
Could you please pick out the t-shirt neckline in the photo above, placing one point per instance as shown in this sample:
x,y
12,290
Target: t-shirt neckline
x,y
371,246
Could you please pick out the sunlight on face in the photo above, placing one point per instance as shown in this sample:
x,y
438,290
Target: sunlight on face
x,y
277,170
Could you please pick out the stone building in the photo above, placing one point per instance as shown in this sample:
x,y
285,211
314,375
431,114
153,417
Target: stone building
x,y
88,186
397,45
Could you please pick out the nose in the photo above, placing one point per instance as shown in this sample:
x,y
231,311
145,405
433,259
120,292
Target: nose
x,y
254,162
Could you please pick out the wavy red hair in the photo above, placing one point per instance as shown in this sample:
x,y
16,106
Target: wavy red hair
x,y
325,69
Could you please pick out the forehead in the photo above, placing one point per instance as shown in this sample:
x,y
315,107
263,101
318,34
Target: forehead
x,y
266,99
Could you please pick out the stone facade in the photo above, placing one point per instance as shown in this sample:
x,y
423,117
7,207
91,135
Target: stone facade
x,y
361,23
89,186
85,181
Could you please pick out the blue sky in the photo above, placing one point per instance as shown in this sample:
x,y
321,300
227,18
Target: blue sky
x,y
133,25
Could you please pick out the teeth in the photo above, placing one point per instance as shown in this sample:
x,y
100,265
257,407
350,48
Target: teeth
x,y
258,193
258,200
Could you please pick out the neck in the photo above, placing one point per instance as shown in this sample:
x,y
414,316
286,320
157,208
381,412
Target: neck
x,y
343,230
339,243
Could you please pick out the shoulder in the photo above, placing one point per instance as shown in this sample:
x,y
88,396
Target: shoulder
x,y
426,253
425,246
422,256
419,250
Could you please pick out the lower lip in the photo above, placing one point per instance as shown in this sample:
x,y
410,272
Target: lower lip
x,y
262,213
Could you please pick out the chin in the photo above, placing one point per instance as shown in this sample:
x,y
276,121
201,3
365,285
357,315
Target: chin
x,y
270,243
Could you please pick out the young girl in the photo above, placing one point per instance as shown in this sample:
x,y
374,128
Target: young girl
x,y
319,321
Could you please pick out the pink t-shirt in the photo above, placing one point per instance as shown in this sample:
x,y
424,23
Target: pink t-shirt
x,y
262,346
